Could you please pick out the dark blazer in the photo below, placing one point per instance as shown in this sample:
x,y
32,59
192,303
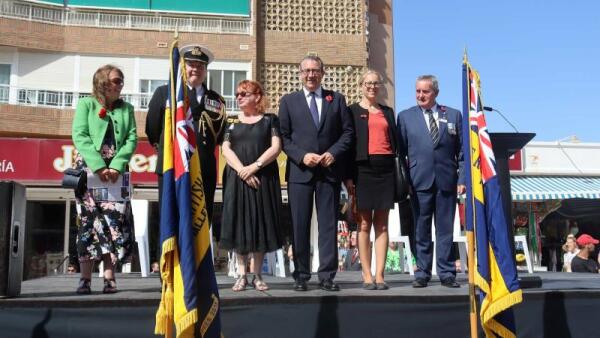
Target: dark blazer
x,y
360,116
301,136
442,162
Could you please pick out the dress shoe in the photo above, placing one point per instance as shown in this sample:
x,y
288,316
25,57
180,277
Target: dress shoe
x,y
84,287
110,286
329,285
300,285
382,286
419,283
369,286
450,283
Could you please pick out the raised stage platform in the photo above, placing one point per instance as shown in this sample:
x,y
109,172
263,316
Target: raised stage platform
x,y
566,305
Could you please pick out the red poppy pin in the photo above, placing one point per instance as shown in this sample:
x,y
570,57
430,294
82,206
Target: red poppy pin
x,y
102,113
329,98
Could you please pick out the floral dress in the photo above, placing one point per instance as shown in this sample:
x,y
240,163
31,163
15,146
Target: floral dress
x,y
104,226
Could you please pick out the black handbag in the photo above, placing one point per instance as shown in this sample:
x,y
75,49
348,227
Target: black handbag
x,y
400,179
75,179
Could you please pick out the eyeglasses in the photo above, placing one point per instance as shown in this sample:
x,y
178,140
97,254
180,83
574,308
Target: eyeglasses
x,y
243,94
308,71
117,81
375,84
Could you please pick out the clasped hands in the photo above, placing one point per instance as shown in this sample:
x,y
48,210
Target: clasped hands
x,y
246,173
108,174
312,160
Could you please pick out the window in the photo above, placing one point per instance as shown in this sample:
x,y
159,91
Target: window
x,y
225,83
4,82
147,88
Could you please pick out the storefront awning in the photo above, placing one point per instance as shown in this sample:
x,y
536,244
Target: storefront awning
x,y
541,188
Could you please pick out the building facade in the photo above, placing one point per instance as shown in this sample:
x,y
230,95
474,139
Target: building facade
x,y
555,191
49,51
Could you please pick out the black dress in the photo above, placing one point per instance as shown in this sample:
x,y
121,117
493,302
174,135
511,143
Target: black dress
x,y
251,220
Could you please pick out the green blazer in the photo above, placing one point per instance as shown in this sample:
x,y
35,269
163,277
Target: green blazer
x,y
89,130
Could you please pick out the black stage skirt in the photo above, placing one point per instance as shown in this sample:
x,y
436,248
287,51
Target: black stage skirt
x,y
375,183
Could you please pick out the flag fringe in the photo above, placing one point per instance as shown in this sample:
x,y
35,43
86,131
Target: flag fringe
x,y
185,323
501,304
498,329
168,245
164,315
482,283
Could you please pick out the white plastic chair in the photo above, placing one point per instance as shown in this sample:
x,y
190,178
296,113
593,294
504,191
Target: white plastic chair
x,y
276,263
232,264
140,216
140,221
457,237
314,239
523,240
395,235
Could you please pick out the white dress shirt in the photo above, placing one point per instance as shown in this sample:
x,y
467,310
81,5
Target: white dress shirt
x,y
318,98
199,93
436,115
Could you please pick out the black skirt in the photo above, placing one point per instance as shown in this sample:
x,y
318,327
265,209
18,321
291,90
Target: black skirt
x,y
375,183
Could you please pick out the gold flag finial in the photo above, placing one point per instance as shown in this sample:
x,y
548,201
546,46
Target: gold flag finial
x,y
465,55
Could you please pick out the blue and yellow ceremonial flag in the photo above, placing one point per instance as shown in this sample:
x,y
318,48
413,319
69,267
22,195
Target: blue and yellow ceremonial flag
x,y
496,273
190,297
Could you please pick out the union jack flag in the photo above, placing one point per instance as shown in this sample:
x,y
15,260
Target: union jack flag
x,y
189,293
496,273
487,161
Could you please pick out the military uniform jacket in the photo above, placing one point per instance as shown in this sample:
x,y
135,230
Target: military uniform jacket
x,y
209,120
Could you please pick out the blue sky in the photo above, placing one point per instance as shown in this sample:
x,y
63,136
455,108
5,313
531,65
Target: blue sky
x,y
539,61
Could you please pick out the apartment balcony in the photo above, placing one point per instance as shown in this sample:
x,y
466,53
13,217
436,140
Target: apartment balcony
x,y
90,17
68,99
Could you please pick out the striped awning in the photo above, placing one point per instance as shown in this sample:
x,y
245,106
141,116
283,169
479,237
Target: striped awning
x,y
540,188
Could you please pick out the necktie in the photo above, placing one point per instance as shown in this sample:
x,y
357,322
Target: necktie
x,y
433,128
314,111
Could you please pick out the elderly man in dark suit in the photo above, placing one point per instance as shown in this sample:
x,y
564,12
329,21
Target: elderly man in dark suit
x,y
430,138
317,132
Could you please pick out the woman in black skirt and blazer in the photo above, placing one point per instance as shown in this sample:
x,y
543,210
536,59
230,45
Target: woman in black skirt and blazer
x,y
373,175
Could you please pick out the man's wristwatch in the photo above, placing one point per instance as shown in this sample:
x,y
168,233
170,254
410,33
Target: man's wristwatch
x,y
259,164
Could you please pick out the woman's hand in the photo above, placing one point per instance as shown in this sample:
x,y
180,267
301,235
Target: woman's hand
x,y
113,175
247,171
253,182
103,174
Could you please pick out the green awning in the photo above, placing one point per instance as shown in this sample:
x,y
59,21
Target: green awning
x,y
541,188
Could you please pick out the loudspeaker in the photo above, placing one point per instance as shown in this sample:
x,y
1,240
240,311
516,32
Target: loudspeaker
x,y
12,237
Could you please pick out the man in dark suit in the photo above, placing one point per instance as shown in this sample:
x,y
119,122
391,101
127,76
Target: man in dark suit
x,y
316,129
430,138
208,111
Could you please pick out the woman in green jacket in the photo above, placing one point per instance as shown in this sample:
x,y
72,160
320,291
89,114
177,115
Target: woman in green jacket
x,y
104,134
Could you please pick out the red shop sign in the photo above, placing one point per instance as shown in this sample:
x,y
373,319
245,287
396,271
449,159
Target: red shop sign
x,y
515,162
44,160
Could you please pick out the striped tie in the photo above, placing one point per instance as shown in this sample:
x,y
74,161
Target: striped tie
x,y
433,128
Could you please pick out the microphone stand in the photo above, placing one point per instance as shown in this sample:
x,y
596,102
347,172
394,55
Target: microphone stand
x,y
486,108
